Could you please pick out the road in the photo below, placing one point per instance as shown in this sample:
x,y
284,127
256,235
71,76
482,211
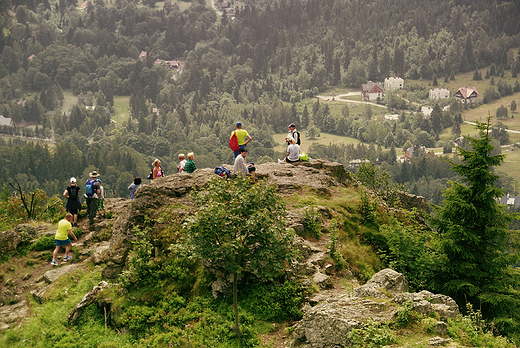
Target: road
x,y
507,130
338,98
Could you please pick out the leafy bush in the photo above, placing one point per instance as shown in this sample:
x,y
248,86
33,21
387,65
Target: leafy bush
x,y
44,243
312,221
406,315
372,335
270,302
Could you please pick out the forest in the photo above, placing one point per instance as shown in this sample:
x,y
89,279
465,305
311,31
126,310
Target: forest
x,y
262,66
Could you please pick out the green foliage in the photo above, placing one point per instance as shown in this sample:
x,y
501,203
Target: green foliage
x,y
274,302
368,210
406,316
240,227
44,243
334,246
474,240
312,222
378,181
405,248
372,335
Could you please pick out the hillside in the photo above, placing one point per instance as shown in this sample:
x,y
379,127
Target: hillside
x,y
162,298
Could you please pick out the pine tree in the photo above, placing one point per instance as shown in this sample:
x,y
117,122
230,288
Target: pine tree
x,y
474,240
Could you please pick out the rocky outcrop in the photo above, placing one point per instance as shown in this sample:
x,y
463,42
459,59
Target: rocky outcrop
x,y
9,240
329,322
318,175
409,201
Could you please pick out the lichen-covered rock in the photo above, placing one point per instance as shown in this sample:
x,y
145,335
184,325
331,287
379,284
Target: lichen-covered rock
x,y
387,280
329,323
426,302
9,241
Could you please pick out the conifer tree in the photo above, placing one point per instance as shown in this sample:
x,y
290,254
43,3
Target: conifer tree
x,y
478,248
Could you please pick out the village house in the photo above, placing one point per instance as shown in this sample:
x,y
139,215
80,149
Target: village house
x,y
439,93
426,110
416,150
510,201
142,55
467,95
370,91
393,117
393,83
6,121
171,64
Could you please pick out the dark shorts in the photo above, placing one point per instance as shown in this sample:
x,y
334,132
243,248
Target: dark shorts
x,y
73,211
62,242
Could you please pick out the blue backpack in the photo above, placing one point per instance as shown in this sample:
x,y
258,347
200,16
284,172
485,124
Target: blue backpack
x,y
90,187
221,171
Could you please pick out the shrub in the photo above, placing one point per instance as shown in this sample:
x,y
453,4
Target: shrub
x,y
312,221
44,243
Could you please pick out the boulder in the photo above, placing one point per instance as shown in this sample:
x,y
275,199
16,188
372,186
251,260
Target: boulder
x,y
329,324
426,302
388,280
9,241
57,272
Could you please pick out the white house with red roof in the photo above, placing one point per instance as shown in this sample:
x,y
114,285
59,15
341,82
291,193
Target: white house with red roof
x,y
370,91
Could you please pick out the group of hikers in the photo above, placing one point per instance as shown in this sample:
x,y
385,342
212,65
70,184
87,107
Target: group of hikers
x,y
94,192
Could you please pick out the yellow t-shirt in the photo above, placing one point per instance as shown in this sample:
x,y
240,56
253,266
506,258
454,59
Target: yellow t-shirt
x,y
241,136
63,230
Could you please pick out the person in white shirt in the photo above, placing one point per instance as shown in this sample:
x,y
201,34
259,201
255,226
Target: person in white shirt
x,y
293,151
241,166
182,162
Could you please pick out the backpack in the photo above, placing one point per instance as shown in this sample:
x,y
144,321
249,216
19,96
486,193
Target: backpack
x,y
221,171
150,176
90,187
73,193
233,142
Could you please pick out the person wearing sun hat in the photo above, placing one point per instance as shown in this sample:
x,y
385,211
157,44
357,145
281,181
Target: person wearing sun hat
x,y
73,202
242,135
92,192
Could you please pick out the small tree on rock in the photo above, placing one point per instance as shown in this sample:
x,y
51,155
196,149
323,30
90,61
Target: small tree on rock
x,y
240,227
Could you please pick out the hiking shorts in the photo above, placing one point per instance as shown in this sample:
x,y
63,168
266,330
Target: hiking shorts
x,y
62,242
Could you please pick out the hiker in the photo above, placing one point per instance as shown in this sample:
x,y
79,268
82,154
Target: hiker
x,y
101,200
134,186
62,238
293,151
182,163
241,166
92,192
293,133
189,166
157,171
242,135
73,203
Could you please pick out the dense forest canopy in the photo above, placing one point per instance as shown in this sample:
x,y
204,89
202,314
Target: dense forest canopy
x,y
262,66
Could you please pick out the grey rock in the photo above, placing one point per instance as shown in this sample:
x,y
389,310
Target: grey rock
x,y
389,280
9,241
444,305
39,293
322,280
100,253
12,314
438,341
57,272
441,328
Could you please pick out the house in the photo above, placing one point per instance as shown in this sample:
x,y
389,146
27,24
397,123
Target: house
x,y
393,117
172,64
439,93
6,121
510,201
467,94
31,57
426,110
370,91
230,11
142,55
85,5
90,107
224,4
357,162
416,150
394,83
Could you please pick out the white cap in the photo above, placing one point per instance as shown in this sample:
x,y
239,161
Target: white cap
x,y
73,179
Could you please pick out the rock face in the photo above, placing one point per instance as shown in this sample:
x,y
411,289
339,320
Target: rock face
x,y
329,323
9,240
318,175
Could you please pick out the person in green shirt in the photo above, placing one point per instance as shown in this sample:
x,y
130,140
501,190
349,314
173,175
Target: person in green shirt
x,y
62,238
189,166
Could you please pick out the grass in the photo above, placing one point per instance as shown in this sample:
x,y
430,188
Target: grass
x,y
121,104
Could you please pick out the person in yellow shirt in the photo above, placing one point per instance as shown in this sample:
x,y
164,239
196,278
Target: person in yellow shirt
x,y
242,135
62,238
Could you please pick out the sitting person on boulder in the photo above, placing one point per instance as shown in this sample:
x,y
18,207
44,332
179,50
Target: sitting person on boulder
x,y
241,166
293,151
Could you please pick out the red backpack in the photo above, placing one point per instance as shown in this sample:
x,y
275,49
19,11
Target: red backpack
x,y
233,142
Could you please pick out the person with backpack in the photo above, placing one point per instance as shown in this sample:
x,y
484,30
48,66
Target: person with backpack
x,y
73,202
293,134
241,136
92,192
101,200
